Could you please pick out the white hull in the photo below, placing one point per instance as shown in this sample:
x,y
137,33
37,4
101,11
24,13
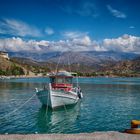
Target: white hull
x,y
57,98
61,99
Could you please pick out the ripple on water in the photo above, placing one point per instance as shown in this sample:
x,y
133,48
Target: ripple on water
x,y
108,104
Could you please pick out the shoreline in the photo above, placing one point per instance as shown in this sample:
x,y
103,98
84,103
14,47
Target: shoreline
x,y
24,76
109,135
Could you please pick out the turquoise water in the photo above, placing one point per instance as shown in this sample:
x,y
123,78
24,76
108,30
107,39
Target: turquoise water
x,y
108,104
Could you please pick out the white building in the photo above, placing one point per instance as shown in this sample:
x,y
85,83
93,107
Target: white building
x,y
4,55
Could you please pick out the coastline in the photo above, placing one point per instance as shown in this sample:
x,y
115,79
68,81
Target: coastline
x,y
34,76
109,135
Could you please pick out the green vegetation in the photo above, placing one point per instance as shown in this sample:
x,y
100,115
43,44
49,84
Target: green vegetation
x,y
13,70
110,74
31,66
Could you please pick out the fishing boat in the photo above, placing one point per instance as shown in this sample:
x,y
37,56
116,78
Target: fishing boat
x,y
60,91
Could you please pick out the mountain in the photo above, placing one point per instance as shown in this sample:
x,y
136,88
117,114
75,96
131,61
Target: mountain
x,y
43,67
85,66
25,61
88,58
85,63
111,55
124,68
34,56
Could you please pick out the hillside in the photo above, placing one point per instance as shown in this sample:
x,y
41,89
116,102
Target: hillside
x,y
93,59
7,68
32,65
94,68
124,68
4,63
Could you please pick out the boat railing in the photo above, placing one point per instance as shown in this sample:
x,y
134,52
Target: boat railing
x,y
74,89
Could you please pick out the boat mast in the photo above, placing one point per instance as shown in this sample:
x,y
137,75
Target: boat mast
x,y
77,80
57,64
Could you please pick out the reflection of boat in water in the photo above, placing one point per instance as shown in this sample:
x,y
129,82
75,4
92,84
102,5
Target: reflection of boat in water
x,y
57,121
60,91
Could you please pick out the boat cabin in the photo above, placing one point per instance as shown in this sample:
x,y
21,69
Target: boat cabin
x,y
62,80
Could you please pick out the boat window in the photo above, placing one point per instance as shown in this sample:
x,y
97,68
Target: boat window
x,y
68,80
60,80
52,80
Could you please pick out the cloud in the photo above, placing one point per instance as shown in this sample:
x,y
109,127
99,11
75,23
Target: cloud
x,y
75,44
125,43
84,8
18,28
116,13
87,9
85,41
74,34
131,27
49,31
17,44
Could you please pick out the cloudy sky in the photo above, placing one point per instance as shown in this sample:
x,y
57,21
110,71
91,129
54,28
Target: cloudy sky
x,y
70,25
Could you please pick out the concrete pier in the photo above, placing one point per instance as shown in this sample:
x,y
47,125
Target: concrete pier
x,y
82,136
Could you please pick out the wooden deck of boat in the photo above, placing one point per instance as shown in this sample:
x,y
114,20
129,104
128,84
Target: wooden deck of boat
x,y
82,136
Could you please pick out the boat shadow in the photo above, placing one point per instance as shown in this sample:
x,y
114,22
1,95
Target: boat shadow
x,y
58,120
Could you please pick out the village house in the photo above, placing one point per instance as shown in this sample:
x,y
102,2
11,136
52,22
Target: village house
x,y
4,55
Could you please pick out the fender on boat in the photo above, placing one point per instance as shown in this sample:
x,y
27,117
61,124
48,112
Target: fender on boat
x,y
81,94
36,89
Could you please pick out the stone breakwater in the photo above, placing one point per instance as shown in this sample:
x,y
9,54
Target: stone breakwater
x,y
82,136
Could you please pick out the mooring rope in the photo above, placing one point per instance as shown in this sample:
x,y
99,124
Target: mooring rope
x,y
47,104
7,115
12,101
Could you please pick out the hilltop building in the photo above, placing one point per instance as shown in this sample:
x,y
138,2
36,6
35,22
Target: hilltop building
x,y
4,55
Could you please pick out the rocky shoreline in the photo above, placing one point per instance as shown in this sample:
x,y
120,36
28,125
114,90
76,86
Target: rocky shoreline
x,y
110,135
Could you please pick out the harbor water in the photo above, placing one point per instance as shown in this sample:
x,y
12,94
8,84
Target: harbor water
x,y
109,104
